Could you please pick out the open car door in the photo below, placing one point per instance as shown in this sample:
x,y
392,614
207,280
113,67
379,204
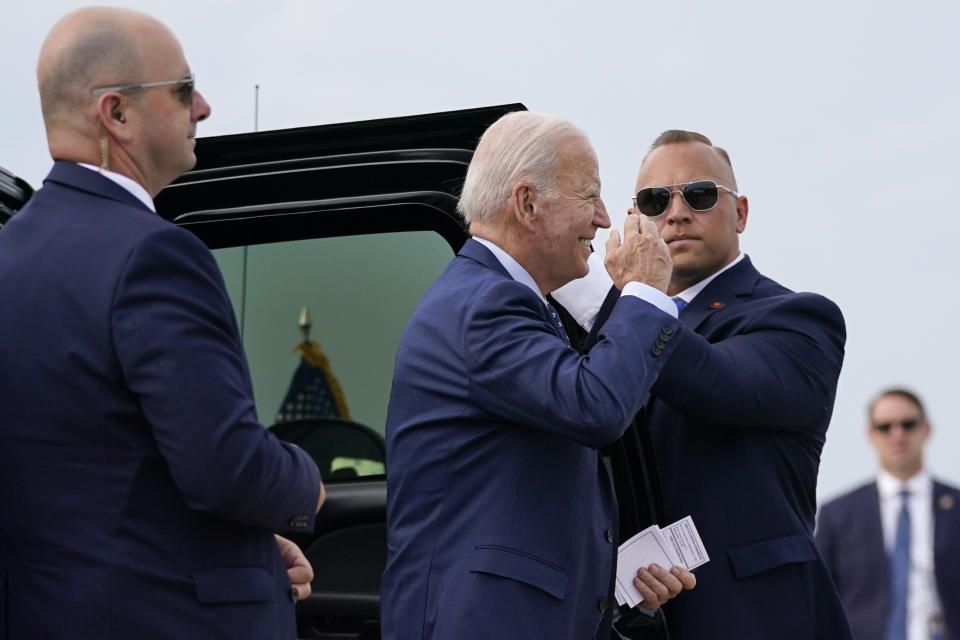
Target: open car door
x,y
353,221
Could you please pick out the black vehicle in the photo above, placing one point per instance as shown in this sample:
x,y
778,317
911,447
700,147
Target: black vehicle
x,y
14,193
353,221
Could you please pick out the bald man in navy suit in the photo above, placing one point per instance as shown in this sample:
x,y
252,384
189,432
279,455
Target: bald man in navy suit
x,y
139,495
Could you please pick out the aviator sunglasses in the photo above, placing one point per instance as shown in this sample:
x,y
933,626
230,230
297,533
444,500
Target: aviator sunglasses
x,y
907,425
701,195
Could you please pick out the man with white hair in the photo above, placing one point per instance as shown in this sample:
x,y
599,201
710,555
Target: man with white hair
x,y
138,492
501,519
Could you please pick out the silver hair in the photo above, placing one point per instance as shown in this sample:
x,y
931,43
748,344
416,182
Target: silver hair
x,y
520,146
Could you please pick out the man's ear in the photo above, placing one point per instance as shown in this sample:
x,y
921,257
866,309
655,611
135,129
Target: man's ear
x,y
113,111
743,207
524,204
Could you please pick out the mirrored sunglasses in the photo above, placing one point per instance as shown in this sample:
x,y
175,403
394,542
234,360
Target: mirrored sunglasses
x,y
701,195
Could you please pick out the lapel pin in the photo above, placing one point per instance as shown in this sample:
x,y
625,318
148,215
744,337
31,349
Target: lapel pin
x,y
717,305
945,501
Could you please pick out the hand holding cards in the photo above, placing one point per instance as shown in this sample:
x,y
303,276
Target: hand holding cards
x,y
678,544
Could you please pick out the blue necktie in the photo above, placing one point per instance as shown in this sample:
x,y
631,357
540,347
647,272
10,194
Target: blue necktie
x,y
681,303
899,574
559,323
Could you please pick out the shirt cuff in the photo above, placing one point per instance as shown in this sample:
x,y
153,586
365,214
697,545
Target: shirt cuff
x,y
652,295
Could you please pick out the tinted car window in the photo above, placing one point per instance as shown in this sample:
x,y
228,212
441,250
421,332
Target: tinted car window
x,y
361,291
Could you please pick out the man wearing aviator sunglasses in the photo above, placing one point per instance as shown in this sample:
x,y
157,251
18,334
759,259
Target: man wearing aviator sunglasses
x,y
700,196
139,491
893,544
739,414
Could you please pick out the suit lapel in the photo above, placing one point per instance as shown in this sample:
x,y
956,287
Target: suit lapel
x,y
874,550
476,251
77,177
944,521
724,291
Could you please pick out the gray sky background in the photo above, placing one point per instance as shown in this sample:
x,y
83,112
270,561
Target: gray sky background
x,y
840,118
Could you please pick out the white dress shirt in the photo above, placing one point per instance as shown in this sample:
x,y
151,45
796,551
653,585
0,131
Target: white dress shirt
x,y
688,294
584,296
513,267
923,604
134,187
588,296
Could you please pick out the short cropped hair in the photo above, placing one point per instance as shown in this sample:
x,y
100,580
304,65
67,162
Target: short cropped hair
x,y
907,394
673,136
520,146
105,54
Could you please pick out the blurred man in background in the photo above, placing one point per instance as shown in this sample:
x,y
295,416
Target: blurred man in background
x,y
893,545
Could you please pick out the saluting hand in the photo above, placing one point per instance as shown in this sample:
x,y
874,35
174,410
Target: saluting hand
x,y
643,256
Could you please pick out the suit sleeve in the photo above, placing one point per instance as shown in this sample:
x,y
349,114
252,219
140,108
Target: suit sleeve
x,y
521,371
779,369
824,535
177,343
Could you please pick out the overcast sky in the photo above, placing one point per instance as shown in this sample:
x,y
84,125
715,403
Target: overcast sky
x,y
841,119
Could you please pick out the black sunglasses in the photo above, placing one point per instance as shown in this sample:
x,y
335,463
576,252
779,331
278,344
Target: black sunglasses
x,y
701,195
906,425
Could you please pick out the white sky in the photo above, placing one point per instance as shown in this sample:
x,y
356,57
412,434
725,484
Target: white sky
x,y
840,118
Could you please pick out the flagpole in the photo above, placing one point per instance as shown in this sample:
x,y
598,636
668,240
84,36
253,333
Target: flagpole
x,y
243,285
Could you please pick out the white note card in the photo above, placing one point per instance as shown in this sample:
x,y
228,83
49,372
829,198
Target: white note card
x,y
686,543
678,544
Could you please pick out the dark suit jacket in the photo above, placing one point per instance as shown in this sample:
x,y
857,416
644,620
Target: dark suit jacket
x,y
501,524
138,492
738,418
850,538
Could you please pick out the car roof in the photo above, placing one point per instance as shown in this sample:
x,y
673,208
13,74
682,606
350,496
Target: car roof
x,y
372,176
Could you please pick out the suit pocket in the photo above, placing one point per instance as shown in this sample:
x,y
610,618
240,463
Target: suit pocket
x,y
234,584
757,557
523,567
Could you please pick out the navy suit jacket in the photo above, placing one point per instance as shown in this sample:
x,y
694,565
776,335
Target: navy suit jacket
x,y
501,523
850,538
138,492
738,418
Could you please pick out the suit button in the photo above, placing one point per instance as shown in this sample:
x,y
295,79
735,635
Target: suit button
x,y
660,343
666,336
609,536
602,605
656,351
666,330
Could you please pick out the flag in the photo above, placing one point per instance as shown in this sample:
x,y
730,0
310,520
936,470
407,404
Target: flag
x,y
314,391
